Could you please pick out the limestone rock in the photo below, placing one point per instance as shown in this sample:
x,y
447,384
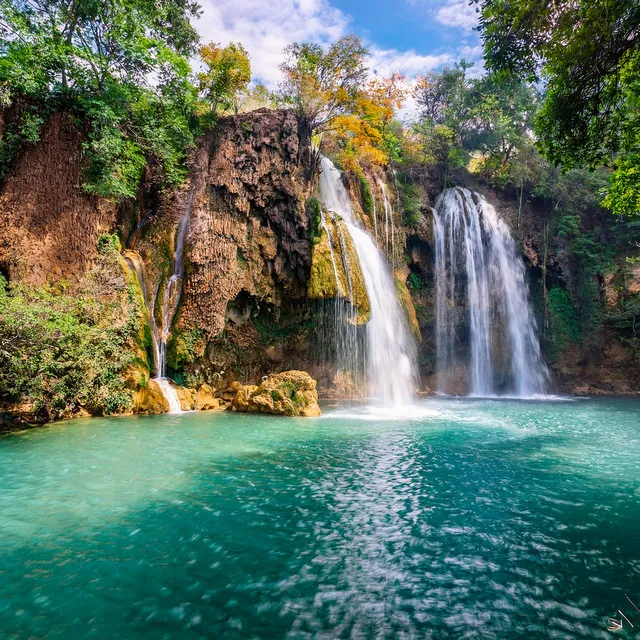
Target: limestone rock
x,y
292,393
205,399
149,399
323,284
186,397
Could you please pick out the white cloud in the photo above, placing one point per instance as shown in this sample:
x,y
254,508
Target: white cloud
x,y
459,14
384,62
266,28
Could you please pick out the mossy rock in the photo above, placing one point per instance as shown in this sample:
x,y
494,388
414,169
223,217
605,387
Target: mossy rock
x,y
360,299
149,399
406,301
292,393
323,284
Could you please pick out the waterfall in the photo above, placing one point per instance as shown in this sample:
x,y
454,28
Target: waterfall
x,y
481,286
390,353
171,299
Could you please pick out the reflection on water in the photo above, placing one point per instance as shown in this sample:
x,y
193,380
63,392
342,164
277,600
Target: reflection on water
x,y
459,519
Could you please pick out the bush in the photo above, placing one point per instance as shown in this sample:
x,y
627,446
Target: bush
x,y
563,318
367,198
62,351
411,204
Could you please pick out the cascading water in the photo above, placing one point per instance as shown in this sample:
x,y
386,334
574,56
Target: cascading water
x,y
390,353
480,284
171,299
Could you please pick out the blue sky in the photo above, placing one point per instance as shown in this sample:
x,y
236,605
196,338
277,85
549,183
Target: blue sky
x,y
410,36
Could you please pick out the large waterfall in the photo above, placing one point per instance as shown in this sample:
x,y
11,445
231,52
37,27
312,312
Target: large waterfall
x,y
390,352
482,300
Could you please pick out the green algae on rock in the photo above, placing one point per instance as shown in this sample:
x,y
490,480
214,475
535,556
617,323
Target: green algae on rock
x,y
292,393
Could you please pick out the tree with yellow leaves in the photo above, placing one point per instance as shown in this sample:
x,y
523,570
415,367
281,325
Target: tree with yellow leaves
x,y
323,85
365,133
226,73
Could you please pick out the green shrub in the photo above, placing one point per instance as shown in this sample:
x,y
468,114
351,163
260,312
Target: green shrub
x,y
414,282
411,200
564,323
314,213
61,351
367,198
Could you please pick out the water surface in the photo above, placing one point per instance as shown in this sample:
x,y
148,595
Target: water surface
x,y
461,519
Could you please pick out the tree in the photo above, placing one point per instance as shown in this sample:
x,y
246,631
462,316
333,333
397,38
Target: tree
x,y
365,134
227,73
588,52
122,65
486,117
323,85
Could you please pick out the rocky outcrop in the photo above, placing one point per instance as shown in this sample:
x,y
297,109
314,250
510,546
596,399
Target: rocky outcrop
x,y
249,231
149,399
205,399
49,227
292,393
336,272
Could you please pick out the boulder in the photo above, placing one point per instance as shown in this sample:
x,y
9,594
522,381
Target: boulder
x,y
205,399
149,399
292,393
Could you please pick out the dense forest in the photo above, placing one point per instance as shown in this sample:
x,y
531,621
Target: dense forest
x,y
550,127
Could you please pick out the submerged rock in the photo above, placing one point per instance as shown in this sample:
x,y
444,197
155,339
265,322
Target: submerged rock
x,y
292,393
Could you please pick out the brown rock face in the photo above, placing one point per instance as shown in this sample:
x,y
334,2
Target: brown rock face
x,y
292,393
249,229
49,228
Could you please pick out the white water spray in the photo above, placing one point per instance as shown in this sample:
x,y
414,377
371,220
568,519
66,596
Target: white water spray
x,y
478,269
390,349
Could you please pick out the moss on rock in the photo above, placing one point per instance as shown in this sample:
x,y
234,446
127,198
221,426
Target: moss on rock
x,y
406,301
323,284
292,393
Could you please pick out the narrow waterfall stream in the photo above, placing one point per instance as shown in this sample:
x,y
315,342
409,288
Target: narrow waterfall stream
x,y
170,301
481,287
390,353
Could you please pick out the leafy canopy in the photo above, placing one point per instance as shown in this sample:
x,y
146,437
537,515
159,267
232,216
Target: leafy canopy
x,y
484,116
588,54
322,85
226,75
120,65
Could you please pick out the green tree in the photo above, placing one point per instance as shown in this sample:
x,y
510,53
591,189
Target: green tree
x,y
461,116
121,65
322,85
226,75
588,53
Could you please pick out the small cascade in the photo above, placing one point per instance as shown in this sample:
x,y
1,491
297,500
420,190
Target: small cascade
x,y
390,352
481,287
171,299
375,218
388,215
170,394
173,290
